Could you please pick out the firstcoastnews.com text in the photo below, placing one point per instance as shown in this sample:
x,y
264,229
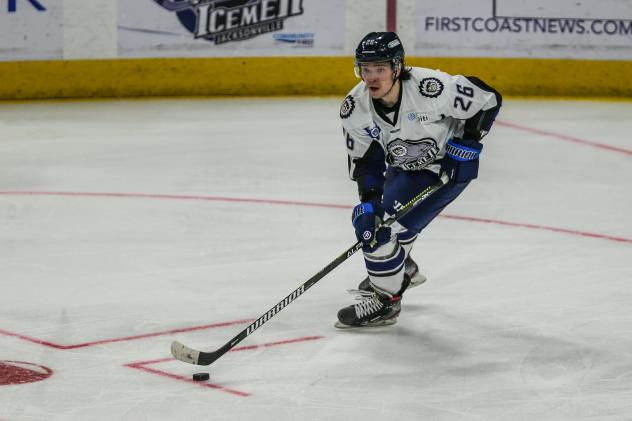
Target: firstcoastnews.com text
x,y
597,27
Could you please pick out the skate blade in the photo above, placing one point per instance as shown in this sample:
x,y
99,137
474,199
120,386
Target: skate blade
x,y
417,280
380,323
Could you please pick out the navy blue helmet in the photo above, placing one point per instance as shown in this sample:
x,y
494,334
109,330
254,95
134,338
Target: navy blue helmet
x,y
378,47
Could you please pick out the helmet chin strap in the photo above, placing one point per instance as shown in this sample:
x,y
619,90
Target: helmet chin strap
x,y
392,85
391,88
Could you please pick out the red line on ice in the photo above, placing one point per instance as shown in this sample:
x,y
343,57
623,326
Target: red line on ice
x,y
538,227
123,339
269,344
172,197
188,380
564,137
142,365
309,204
31,339
238,348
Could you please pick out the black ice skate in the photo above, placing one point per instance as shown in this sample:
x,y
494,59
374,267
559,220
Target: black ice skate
x,y
411,271
375,309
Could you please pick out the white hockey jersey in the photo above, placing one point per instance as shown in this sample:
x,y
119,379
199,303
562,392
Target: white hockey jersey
x,y
432,110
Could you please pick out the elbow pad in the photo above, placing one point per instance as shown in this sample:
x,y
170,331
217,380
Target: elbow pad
x,y
480,124
368,172
370,188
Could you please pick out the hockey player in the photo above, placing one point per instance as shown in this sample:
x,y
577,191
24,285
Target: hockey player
x,y
404,127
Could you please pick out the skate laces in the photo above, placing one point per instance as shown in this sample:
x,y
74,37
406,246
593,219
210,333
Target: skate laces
x,y
370,304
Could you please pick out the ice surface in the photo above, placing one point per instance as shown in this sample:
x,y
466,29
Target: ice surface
x,y
127,224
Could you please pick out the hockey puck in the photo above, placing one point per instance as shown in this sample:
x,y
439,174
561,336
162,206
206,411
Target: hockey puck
x,y
200,377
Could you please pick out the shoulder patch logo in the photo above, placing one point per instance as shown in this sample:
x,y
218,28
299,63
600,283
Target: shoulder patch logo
x,y
347,107
373,132
430,87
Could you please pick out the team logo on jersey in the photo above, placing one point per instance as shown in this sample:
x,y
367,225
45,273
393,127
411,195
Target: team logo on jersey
x,y
347,107
430,87
222,21
412,154
373,132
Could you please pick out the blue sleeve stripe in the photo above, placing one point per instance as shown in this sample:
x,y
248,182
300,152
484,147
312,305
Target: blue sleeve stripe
x,y
460,152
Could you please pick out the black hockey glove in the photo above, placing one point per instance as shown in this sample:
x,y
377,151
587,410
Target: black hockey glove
x,y
461,160
366,219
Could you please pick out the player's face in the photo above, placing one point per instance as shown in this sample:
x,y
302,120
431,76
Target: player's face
x,y
378,78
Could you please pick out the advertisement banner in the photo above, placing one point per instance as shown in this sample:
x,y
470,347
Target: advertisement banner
x,y
31,30
230,28
516,28
564,9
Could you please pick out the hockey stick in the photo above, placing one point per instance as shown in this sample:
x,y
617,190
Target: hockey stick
x,y
192,356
